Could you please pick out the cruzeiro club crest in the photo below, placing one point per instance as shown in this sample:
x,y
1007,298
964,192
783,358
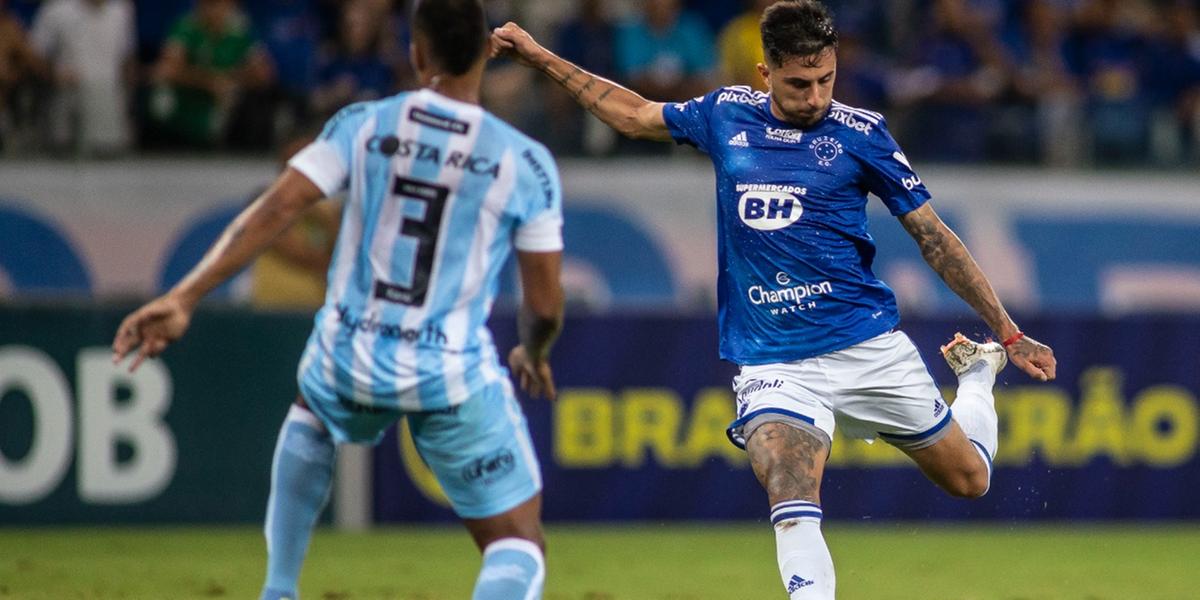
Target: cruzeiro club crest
x,y
826,149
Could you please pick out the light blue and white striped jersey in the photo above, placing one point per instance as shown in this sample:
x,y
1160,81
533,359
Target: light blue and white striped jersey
x,y
439,192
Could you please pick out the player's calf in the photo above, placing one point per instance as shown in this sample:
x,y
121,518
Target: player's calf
x,y
789,461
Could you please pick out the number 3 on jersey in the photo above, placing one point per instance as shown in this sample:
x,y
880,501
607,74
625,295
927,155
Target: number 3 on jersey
x,y
422,223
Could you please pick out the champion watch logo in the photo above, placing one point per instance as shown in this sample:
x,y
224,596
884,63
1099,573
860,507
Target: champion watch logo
x,y
796,583
741,140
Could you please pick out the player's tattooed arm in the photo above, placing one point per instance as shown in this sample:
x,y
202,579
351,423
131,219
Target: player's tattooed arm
x,y
951,260
618,107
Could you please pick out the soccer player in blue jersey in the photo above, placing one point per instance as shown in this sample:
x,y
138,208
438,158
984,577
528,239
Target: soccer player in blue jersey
x,y
439,193
800,310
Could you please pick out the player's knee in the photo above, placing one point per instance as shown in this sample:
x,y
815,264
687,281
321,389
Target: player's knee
x,y
969,484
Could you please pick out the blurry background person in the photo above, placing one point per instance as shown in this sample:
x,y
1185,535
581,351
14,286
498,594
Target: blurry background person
x,y
740,44
291,31
966,70
587,40
16,61
1110,43
666,53
88,46
1047,105
354,68
211,65
1173,86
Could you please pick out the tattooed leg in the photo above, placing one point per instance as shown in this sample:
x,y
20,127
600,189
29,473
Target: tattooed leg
x,y
789,462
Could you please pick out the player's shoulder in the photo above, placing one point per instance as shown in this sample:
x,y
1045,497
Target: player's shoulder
x,y
860,120
530,151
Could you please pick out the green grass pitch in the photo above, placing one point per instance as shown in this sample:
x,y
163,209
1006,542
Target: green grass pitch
x,y
645,562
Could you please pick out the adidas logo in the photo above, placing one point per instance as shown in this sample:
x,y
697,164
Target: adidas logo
x,y
938,407
796,583
741,140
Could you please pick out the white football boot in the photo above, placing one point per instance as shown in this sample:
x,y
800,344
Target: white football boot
x,y
962,353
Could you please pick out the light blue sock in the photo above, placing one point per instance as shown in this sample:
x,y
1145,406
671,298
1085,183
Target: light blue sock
x,y
513,569
301,477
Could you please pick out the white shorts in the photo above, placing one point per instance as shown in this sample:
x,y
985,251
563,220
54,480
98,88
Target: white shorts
x,y
877,388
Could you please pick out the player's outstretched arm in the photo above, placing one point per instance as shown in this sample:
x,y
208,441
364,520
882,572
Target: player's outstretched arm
x,y
150,329
948,256
620,108
539,322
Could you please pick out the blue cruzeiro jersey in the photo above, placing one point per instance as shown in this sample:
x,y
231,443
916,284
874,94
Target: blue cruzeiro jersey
x,y
795,277
438,193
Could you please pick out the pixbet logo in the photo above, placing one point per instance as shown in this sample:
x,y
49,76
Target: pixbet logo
x,y
848,120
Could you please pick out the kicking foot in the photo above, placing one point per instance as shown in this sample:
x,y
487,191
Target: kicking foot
x,y
962,353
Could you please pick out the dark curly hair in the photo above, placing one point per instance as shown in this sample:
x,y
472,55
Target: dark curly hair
x,y
797,29
456,29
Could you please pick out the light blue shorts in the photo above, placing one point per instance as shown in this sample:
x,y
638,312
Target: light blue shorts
x,y
479,450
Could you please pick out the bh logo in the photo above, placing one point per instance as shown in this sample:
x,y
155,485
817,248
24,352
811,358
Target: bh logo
x,y
768,211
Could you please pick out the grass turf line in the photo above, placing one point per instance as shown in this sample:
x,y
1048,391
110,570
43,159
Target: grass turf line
x,y
617,562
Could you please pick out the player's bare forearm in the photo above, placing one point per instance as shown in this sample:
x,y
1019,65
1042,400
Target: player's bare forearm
x,y
618,107
538,332
950,259
541,315
253,231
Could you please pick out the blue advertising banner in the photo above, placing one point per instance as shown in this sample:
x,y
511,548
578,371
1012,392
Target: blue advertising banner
x,y
638,431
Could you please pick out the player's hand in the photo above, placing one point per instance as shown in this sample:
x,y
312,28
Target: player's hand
x,y
1033,357
535,378
150,329
516,43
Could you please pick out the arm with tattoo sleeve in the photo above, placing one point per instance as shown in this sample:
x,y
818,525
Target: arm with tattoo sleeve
x,y
624,110
949,258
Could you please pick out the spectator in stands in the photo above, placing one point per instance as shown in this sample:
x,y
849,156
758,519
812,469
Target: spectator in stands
x,y
967,70
586,40
1109,45
667,53
1173,84
17,59
88,46
213,75
740,44
354,69
1047,94
291,31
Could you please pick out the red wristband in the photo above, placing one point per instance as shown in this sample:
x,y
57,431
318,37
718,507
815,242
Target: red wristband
x,y
1012,340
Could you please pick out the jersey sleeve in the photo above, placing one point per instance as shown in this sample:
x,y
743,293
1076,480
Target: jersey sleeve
x,y
540,223
326,162
690,122
890,176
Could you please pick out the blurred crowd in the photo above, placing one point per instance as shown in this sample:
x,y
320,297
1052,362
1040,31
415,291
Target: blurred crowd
x,y
1055,82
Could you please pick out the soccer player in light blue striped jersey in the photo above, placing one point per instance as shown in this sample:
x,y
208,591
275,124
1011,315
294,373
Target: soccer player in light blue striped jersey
x,y
439,193
800,310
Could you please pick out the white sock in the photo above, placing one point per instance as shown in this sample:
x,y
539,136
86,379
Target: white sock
x,y
513,569
804,561
975,410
